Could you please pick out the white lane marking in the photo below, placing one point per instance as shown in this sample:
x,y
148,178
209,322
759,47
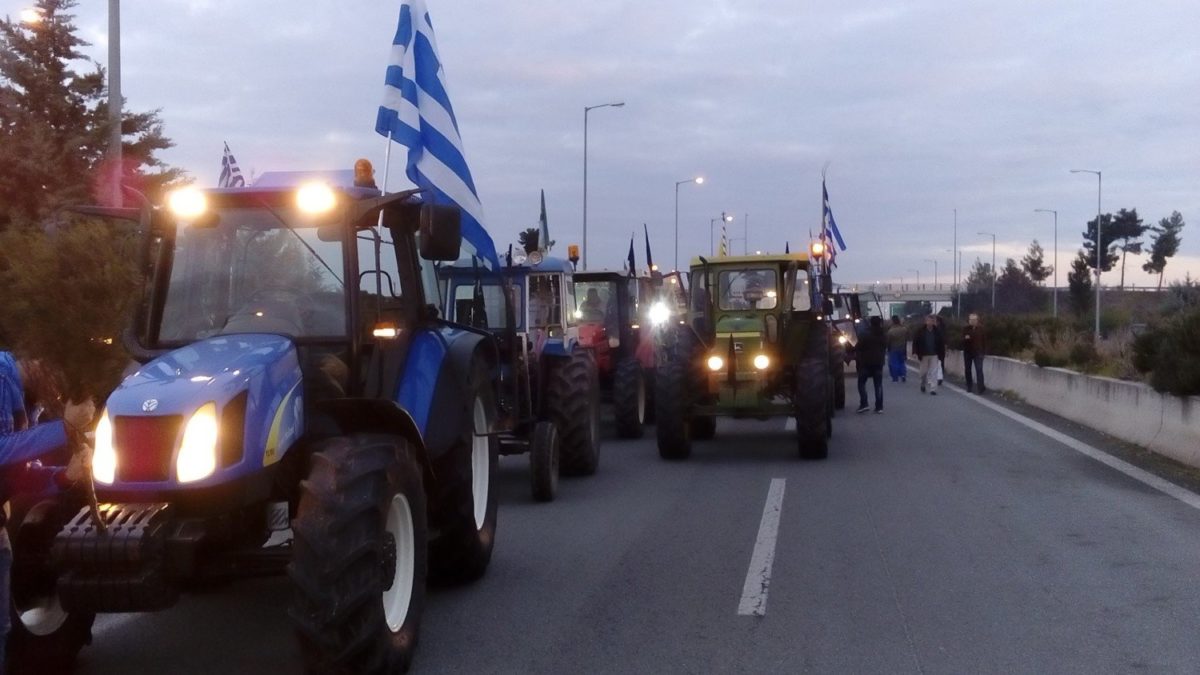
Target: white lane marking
x,y
1166,487
758,577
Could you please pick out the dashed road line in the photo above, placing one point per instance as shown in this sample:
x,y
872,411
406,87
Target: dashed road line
x,y
758,577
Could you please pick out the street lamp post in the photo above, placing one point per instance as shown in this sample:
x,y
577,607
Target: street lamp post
x,y
728,219
586,110
1099,246
994,274
114,98
698,180
935,275
955,261
1055,255
918,273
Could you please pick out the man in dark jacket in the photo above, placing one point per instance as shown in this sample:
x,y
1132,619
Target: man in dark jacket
x,y
929,346
974,345
870,354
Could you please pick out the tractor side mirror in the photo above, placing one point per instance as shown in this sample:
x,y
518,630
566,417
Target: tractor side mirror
x,y
855,307
827,308
441,232
826,284
330,233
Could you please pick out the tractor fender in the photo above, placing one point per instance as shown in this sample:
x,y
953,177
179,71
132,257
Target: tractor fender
x,y
373,416
451,402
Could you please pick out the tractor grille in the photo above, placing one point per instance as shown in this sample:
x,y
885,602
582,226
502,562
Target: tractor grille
x,y
145,447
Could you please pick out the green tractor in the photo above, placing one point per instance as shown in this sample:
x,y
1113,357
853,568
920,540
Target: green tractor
x,y
756,343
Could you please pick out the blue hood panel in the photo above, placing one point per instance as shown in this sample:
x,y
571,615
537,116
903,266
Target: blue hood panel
x,y
217,370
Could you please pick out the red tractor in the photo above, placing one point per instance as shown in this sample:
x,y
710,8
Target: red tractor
x,y
612,313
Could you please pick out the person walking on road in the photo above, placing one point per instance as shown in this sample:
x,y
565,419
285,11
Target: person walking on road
x,y
869,354
897,344
941,367
974,345
929,346
20,445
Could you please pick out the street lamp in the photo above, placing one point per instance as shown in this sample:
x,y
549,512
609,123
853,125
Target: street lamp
x,y
930,260
1099,241
918,273
698,180
586,110
994,275
711,222
1055,254
956,261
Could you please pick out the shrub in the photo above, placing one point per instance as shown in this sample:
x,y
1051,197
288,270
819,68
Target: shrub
x,y
1084,355
1171,354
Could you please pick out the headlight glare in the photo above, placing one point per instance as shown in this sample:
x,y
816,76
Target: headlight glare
x,y
104,456
715,362
187,203
198,452
659,313
315,198
762,361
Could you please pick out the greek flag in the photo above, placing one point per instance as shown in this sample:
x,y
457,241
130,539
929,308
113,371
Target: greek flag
x,y
829,228
416,113
231,175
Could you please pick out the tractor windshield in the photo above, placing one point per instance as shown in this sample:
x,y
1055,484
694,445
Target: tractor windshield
x,y
755,288
254,271
599,303
483,306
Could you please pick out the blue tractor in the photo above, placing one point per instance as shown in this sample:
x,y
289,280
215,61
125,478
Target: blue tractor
x,y
293,364
549,397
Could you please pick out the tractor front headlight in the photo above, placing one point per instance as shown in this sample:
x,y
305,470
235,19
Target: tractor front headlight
x,y
659,314
315,198
104,455
842,339
187,203
198,452
762,361
715,362
614,342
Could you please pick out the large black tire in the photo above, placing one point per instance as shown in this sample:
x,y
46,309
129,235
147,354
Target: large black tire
x,y
651,375
468,518
360,530
543,461
629,398
48,638
573,404
673,402
814,407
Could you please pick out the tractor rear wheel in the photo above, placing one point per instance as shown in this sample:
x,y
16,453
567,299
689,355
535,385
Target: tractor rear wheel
x,y
359,556
839,385
573,403
672,400
629,398
543,461
44,637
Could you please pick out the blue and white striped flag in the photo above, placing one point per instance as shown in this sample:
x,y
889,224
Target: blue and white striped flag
x,y
231,175
829,228
416,113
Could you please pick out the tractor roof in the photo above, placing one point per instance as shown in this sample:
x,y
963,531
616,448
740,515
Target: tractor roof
x,y
743,260
602,275
546,265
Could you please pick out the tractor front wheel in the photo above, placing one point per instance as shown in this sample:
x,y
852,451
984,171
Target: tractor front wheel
x,y
543,461
629,398
672,399
813,402
44,637
359,556
573,401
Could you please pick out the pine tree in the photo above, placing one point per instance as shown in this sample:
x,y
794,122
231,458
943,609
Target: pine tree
x,y
1128,228
1109,244
1164,245
980,278
54,122
1079,282
1034,263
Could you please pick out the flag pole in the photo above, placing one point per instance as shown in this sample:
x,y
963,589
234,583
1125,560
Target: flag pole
x,y
387,162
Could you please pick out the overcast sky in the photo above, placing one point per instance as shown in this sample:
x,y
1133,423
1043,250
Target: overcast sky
x,y
918,108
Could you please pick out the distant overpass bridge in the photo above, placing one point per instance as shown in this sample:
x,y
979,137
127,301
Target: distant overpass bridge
x,y
903,292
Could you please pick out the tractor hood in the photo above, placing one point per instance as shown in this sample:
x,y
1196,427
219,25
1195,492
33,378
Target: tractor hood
x,y
739,324
216,369
253,380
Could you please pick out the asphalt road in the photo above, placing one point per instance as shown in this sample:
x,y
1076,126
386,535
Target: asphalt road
x,y
939,537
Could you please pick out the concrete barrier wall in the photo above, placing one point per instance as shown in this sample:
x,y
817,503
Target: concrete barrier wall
x,y
1133,412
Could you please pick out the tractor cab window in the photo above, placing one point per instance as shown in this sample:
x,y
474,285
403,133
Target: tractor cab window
x,y
598,304
545,300
753,289
254,271
485,309
379,282
802,297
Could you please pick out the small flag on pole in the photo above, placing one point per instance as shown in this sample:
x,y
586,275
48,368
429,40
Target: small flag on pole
x,y
231,175
632,263
649,258
416,113
544,227
829,228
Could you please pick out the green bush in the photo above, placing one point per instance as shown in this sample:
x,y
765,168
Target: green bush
x,y
1046,359
1170,352
1084,355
